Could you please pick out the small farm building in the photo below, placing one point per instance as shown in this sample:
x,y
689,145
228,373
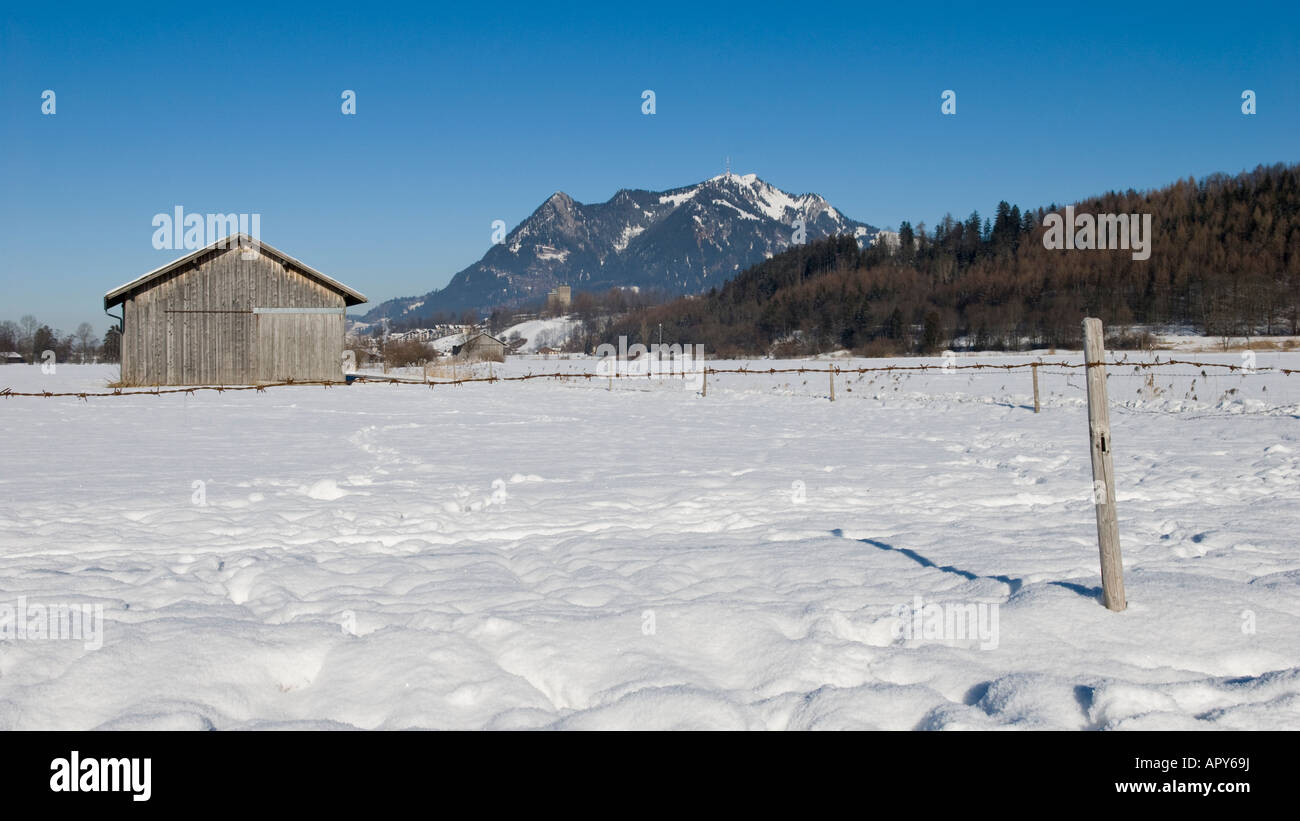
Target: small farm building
x,y
237,312
481,347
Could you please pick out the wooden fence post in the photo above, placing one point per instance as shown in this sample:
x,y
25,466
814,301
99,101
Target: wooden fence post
x,y
831,371
1035,387
1103,471
705,390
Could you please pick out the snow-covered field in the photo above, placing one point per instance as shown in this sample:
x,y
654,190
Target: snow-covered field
x,y
556,554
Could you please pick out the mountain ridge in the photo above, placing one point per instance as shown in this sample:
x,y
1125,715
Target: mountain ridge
x,y
679,241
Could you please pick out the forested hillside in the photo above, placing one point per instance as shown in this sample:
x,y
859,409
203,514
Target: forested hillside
x,y
1225,259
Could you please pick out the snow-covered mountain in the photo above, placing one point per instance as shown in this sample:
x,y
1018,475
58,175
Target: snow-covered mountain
x,y
681,241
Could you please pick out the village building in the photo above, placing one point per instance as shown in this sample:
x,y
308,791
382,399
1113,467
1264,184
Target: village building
x,y
559,298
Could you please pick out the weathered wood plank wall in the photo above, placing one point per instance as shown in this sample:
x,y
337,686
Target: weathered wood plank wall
x,y
198,326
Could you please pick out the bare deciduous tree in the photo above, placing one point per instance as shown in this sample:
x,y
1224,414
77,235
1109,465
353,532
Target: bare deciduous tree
x,y
85,341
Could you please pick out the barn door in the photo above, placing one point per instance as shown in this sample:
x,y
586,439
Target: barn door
x,y
298,344
200,347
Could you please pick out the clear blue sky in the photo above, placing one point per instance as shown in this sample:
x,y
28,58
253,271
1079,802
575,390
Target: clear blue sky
x,y
480,112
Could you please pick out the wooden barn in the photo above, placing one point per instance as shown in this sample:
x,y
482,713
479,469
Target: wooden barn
x,y
480,347
238,312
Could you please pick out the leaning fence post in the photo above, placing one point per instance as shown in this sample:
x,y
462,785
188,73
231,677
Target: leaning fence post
x,y
1035,367
1103,471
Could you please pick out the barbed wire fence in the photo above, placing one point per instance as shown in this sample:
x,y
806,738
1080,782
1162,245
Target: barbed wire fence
x,y
1170,368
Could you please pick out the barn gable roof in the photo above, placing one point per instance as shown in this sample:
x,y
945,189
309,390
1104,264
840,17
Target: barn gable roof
x,y
119,294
